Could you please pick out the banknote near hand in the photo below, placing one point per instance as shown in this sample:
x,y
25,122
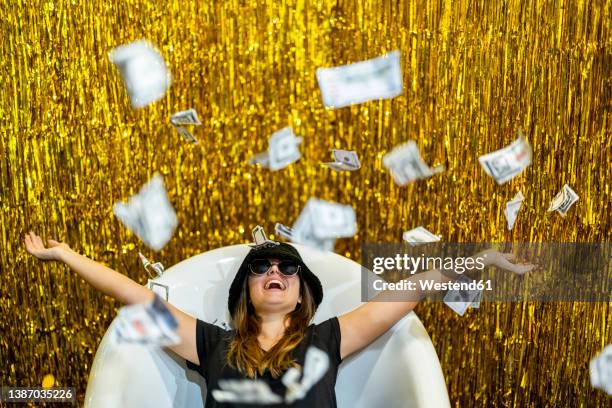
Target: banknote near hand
x,y
563,200
148,324
460,300
512,208
149,214
419,235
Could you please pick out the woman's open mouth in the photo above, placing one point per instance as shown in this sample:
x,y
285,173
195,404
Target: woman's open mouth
x,y
274,284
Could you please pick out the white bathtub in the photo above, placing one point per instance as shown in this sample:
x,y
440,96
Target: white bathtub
x,y
400,369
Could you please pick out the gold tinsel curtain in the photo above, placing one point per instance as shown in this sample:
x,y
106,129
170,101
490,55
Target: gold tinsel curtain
x,y
474,71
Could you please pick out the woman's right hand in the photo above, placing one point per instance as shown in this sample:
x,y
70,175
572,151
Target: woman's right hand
x,y
35,246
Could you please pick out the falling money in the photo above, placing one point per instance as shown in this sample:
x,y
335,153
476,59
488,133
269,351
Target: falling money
x,y
600,370
245,392
148,324
406,165
419,235
283,231
321,222
283,149
377,78
460,300
149,214
316,364
184,118
143,71
563,200
505,164
344,160
512,209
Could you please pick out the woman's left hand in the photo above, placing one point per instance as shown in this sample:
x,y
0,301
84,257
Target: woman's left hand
x,y
492,257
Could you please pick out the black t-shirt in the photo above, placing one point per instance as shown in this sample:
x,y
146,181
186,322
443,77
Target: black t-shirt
x,y
212,344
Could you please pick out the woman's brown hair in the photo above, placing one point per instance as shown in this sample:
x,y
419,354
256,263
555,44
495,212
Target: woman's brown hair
x,y
244,352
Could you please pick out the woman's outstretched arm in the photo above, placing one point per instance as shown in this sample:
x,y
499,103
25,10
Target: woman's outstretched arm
x,y
360,327
115,285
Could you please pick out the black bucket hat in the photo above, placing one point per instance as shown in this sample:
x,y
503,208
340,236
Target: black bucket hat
x,y
281,251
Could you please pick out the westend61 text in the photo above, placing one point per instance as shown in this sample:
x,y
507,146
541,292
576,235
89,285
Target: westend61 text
x,y
429,285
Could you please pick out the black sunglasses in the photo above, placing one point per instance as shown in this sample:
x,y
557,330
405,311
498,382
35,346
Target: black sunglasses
x,y
262,266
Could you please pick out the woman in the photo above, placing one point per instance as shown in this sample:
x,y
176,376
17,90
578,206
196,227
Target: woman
x,y
272,300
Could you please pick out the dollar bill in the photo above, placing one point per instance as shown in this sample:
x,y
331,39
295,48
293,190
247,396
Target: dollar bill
x,y
283,231
460,300
333,220
186,134
600,370
406,165
156,267
344,160
505,164
143,71
283,150
149,214
563,200
260,240
377,78
186,117
263,159
148,324
303,230
238,391
419,235
512,208
316,364
476,303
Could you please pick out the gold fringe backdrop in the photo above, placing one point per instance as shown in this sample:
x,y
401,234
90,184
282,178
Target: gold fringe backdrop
x,y
474,71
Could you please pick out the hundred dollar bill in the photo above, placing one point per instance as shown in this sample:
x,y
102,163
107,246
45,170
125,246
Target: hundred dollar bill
x,y
260,240
316,365
377,78
149,324
157,267
563,200
283,150
406,165
143,70
419,235
504,164
283,231
332,220
512,209
149,214
186,134
252,392
184,118
600,370
344,160
303,233
476,303
460,300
